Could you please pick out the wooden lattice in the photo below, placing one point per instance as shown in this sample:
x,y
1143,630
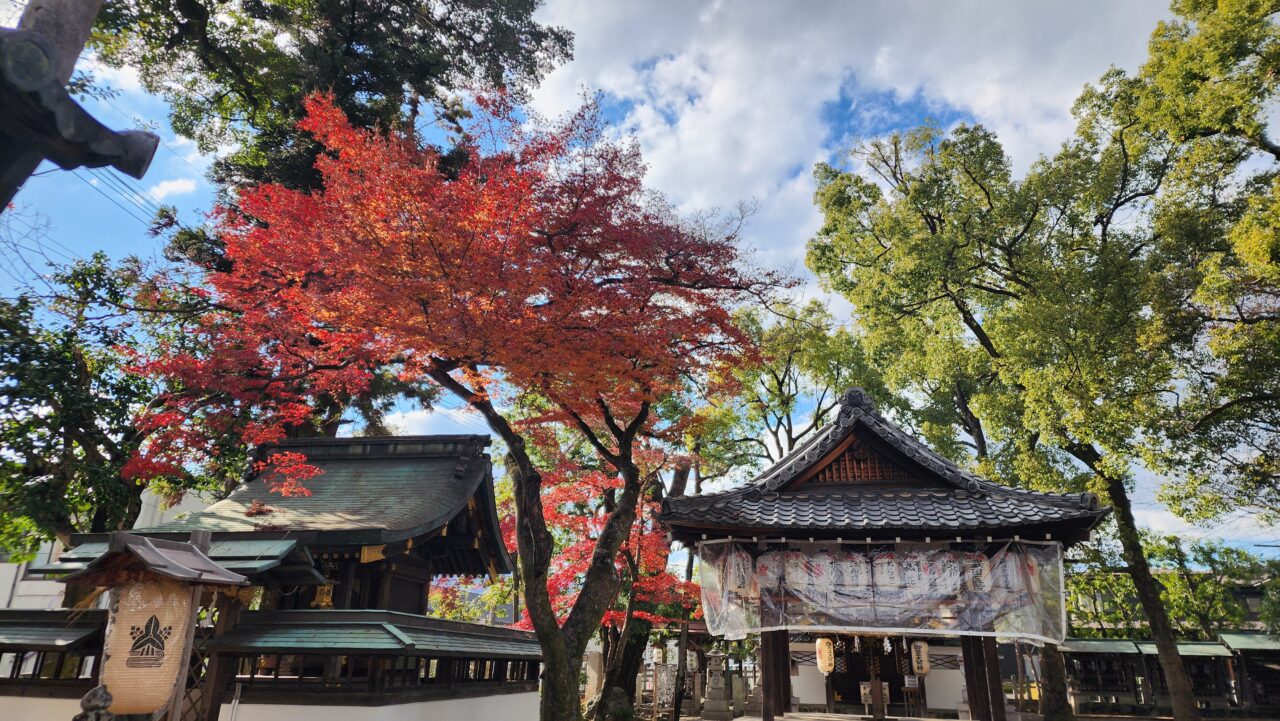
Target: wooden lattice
x,y
860,463
193,707
945,661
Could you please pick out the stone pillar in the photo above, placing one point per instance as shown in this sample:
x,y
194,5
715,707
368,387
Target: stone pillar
x,y
716,705
595,673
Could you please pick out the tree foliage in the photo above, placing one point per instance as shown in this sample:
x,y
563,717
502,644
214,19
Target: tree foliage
x,y
1210,86
1205,583
67,406
235,72
1020,310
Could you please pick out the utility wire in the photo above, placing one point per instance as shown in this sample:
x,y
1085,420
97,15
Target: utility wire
x,y
113,200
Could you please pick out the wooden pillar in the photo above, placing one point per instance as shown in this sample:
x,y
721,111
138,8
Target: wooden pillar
x,y
775,674
995,692
221,667
782,646
831,693
768,680
975,678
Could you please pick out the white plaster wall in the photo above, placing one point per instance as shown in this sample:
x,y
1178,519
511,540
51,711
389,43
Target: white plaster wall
x,y
23,708
9,575
810,686
943,687
506,707
32,593
154,512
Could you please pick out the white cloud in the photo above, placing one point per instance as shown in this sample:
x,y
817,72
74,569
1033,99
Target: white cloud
x,y
436,421
730,101
125,80
176,186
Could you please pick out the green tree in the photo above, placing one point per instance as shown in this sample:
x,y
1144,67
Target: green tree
x,y
807,361
1199,578
1210,86
1037,293
67,408
235,72
1200,583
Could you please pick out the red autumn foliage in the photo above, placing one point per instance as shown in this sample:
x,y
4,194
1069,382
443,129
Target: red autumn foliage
x,y
541,264
572,504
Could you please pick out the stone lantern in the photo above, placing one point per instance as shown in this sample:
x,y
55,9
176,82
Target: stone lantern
x,y
716,705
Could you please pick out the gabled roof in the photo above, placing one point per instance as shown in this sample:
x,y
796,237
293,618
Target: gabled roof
x,y
921,493
371,491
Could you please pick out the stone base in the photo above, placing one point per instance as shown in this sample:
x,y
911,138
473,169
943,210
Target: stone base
x,y
716,710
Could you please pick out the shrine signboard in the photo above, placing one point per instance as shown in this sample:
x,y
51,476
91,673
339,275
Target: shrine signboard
x,y
1011,589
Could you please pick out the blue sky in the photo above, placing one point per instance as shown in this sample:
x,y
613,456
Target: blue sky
x,y
730,101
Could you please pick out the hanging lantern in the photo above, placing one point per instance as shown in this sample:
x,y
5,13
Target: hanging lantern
x,y
826,655
888,645
145,644
155,586
919,658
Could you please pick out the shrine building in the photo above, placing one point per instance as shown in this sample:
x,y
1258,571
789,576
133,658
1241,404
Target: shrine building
x,y
333,622
906,565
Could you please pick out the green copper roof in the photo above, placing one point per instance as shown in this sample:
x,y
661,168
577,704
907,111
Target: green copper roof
x,y
389,488
1099,645
373,632
54,630
1251,641
246,557
1190,648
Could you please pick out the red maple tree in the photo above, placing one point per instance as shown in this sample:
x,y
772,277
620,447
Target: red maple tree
x,y
540,264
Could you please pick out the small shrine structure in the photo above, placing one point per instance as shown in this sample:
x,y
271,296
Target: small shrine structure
x,y
866,536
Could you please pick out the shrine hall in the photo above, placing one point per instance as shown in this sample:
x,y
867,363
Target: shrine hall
x,y
868,544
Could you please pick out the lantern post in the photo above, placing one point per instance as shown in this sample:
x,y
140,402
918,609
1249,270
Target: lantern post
x,y
155,588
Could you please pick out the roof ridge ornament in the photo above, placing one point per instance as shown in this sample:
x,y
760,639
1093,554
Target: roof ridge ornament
x,y
858,398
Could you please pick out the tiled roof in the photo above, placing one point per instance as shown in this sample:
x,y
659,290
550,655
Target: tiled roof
x,y
855,509
374,632
857,409
952,501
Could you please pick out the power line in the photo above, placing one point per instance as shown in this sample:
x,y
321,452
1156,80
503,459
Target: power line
x,y
113,200
125,192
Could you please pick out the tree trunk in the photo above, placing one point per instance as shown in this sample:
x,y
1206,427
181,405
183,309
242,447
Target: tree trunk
x,y
1054,703
682,649
1148,589
1179,682
622,663
563,645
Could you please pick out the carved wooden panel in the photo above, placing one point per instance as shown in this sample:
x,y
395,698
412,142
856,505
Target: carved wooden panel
x,y
860,463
